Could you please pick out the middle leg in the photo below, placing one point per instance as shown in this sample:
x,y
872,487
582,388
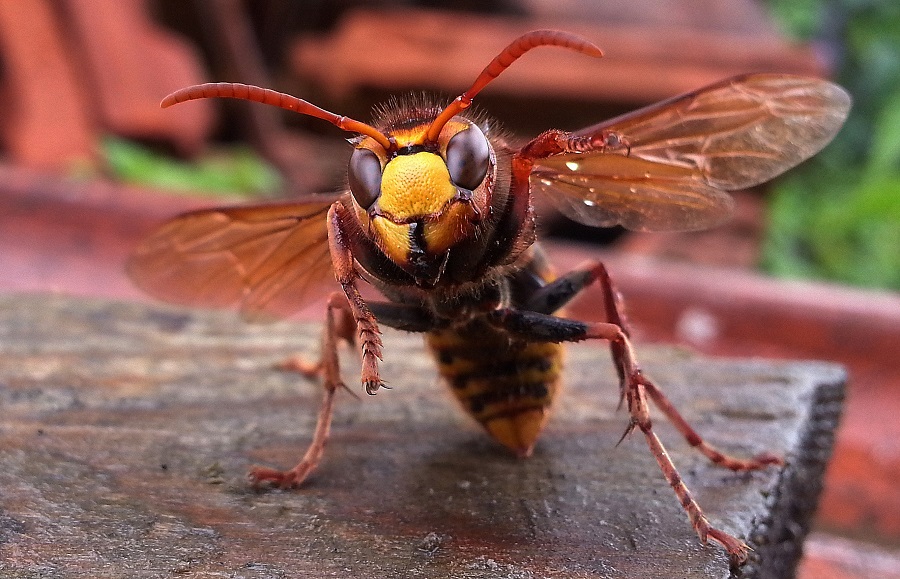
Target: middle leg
x,y
339,324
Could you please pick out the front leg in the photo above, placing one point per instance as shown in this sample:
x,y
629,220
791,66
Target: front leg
x,y
346,275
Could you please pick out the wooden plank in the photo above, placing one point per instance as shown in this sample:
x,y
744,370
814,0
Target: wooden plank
x,y
126,431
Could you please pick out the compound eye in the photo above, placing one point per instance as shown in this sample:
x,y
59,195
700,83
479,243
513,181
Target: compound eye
x,y
365,177
468,157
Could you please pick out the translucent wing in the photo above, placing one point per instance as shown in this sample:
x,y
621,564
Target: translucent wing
x,y
680,156
267,260
606,189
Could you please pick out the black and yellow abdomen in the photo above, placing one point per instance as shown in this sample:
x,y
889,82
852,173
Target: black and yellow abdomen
x,y
506,384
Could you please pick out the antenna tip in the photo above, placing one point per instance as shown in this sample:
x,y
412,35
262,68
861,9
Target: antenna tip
x,y
593,50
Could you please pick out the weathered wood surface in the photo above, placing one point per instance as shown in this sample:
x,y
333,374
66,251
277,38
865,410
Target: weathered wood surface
x,y
125,433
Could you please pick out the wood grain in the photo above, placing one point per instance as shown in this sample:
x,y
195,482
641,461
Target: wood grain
x,y
126,431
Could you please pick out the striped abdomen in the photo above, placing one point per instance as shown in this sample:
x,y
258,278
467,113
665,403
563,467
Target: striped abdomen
x,y
506,384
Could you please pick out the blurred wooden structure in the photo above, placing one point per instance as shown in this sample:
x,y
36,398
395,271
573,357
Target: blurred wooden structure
x,y
127,430
646,59
75,70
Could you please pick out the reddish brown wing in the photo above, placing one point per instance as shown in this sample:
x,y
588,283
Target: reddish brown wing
x,y
684,153
267,260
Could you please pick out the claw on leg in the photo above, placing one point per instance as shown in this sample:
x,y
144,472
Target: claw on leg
x,y
737,550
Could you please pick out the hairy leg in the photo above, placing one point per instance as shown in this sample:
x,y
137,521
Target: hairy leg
x,y
346,275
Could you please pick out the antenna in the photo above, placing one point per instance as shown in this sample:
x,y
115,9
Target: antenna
x,y
266,96
501,62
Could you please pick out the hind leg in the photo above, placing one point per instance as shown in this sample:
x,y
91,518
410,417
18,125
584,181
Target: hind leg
x,y
556,294
636,388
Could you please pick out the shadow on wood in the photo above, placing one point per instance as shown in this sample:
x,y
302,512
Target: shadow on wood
x,y
126,432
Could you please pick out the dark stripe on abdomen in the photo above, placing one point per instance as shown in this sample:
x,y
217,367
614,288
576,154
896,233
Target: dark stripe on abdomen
x,y
491,374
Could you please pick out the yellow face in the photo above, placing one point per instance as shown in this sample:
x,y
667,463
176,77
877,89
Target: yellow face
x,y
420,201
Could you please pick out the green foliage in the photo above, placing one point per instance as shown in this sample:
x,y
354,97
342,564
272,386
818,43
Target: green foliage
x,y
235,171
838,216
853,237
